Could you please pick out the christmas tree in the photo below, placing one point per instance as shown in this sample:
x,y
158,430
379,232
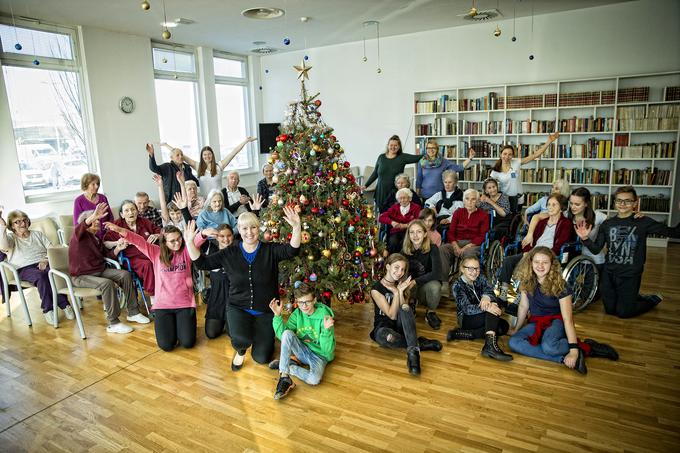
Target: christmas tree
x,y
340,251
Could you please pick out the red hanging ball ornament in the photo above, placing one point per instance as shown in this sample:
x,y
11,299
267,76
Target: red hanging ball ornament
x,y
284,137
291,182
315,210
333,137
350,177
306,280
309,181
317,103
326,294
329,202
282,291
289,236
345,202
364,275
357,254
346,164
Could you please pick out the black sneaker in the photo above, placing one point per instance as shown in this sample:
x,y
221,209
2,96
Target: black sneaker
x,y
602,350
433,320
283,388
425,344
655,298
274,364
581,363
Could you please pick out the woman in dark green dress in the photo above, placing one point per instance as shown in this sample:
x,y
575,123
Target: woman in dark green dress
x,y
388,166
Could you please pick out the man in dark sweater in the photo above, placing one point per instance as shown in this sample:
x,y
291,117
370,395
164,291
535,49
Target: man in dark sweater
x,y
88,268
168,171
626,239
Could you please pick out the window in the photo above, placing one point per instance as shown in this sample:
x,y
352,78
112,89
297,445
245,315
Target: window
x,y
231,91
177,99
43,81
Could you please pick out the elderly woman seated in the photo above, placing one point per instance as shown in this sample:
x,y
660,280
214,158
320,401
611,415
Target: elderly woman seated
x,y
402,180
27,251
446,201
466,233
398,217
195,202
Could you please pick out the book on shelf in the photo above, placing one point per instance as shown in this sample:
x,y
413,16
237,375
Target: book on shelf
x,y
573,175
445,104
592,149
663,150
599,200
450,151
646,177
489,102
480,127
659,203
482,148
527,150
529,127
476,172
635,94
589,124
671,94
654,117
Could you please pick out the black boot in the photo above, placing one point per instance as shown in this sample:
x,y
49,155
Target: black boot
x,y
425,344
413,361
493,351
581,363
601,350
459,334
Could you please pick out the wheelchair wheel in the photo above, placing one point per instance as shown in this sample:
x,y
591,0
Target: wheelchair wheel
x,y
515,227
582,276
494,261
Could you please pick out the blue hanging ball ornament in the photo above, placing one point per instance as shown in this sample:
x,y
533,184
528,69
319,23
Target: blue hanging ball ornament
x,y
514,38
312,153
18,46
36,62
266,71
314,139
312,278
297,284
350,228
286,41
531,57
306,57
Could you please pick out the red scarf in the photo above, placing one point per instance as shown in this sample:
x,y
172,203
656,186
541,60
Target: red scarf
x,y
543,322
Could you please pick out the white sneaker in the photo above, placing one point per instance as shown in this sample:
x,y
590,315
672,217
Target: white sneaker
x,y
49,317
139,319
119,328
68,312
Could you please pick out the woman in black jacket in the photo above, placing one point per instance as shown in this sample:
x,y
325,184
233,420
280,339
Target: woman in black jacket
x,y
253,269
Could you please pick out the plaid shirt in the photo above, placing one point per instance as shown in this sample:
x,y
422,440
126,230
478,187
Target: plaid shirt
x,y
153,215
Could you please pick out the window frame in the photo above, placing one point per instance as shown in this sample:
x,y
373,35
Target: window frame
x,y
54,64
243,82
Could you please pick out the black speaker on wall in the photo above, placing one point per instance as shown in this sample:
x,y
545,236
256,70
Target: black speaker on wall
x,y
267,136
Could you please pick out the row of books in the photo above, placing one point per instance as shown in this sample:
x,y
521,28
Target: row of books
x,y
483,148
657,203
489,102
443,105
528,101
653,111
671,94
527,150
663,150
635,94
646,176
480,127
440,126
529,127
592,149
476,172
587,124
648,124
573,175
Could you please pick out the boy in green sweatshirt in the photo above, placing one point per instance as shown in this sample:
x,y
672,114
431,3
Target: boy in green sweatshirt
x,y
308,335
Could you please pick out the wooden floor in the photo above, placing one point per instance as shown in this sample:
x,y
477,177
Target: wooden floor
x,y
120,392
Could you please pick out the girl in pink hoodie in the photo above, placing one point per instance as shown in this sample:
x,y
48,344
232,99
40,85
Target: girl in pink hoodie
x,y
174,305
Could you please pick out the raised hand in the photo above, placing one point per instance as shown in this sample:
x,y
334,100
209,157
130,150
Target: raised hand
x,y
404,284
291,217
2,221
256,203
149,149
552,137
583,229
209,232
157,179
113,227
250,139
328,322
180,177
180,200
190,232
471,153
276,307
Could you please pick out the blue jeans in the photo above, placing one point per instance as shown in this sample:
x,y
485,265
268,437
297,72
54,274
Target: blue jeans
x,y
292,345
553,346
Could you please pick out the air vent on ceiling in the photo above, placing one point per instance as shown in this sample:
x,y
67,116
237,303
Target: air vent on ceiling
x,y
264,50
263,13
482,15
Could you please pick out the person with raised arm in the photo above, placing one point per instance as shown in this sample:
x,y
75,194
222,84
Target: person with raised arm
x,y
253,270
168,170
90,198
176,212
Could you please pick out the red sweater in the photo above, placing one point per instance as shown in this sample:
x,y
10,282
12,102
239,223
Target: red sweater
x,y
85,252
469,227
563,234
394,215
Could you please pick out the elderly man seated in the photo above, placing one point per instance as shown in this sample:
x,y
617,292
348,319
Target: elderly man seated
x,y
147,211
466,233
236,198
87,267
447,201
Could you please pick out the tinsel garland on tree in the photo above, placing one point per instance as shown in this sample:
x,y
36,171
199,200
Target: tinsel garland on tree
x,y
340,251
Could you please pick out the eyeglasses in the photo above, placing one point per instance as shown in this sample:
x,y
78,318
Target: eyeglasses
x,y
304,303
432,148
626,202
471,268
19,221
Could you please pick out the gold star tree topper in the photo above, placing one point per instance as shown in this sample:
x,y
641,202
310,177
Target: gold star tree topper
x,y
302,70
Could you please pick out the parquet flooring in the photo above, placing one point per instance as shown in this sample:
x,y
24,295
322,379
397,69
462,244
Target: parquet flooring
x,y
120,392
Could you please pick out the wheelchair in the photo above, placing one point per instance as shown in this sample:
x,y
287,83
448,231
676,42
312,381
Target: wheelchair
x,y
494,249
125,261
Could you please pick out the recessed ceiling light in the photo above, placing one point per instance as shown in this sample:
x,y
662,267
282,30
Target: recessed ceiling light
x,y
259,43
264,50
263,12
172,24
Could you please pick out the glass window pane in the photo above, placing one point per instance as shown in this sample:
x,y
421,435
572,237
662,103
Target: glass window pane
x,y
168,60
231,117
48,128
35,42
228,68
176,103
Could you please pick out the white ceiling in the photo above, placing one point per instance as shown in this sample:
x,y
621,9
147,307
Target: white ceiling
x,y
219,23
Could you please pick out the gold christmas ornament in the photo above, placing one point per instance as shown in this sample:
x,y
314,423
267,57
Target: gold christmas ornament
x,y
326,253
166,34
337,219
335,245
497,32
305,237
146,5
310,257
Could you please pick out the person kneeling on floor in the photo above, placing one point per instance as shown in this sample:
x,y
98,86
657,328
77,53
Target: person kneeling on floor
x,y
308,335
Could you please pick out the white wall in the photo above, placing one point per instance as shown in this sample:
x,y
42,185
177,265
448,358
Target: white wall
x,y
365,108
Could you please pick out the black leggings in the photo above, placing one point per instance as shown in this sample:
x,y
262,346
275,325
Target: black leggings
x,y
404,336
176,324
249,330
621,295
215,327
482,323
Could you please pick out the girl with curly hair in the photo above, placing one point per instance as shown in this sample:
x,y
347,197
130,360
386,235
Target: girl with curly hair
x,y
550,334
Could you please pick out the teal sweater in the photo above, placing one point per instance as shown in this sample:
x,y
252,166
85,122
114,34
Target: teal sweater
x,y
310,329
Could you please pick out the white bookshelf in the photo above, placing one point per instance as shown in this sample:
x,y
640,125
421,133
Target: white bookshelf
x,y
603,101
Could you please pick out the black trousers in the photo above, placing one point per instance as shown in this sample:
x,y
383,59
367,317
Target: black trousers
x,y
404,337
248,330
515,206
621,295
508,267
482,323
173,326
395,241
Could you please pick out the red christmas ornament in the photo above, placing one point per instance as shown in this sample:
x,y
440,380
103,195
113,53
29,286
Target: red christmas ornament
x,y
282,291
364,275
357,297
345,202
350,177
329,201
291,182
346,164
289,235
373,252
326,294
315,210
357,254
309,181
317,102
284,137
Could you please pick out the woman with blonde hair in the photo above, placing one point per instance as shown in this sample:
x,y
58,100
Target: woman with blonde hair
x,y
431,167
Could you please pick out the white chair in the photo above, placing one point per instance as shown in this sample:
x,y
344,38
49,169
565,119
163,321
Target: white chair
x,y
10,276
61,283
65,234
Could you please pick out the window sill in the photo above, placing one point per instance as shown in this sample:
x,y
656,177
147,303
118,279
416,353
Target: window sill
x,y
52,197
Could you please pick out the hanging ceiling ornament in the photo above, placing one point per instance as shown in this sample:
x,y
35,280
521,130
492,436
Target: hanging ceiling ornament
x,y
146,5
17,44
514,17
377,37
166,33
497,31
531,55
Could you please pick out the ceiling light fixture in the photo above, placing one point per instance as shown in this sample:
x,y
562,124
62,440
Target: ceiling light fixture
x,y
263,13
